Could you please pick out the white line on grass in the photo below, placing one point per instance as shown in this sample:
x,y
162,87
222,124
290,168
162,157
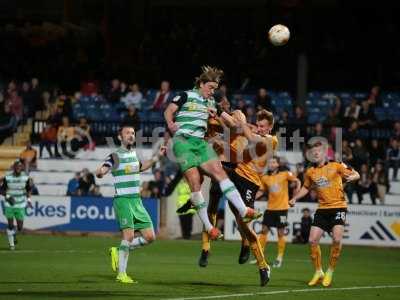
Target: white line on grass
x,y
290,291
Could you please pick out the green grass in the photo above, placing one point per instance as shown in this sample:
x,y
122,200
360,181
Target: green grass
x,y
53,267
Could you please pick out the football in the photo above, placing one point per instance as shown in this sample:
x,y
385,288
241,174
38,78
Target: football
x,y
279,35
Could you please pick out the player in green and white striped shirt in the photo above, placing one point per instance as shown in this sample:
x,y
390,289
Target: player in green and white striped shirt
x,y
187,118
16,188
130,212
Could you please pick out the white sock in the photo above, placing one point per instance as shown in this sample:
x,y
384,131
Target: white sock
x,y
123,254
198,201
138,242
10,236
233,195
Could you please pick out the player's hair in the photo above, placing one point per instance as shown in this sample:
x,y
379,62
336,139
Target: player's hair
x,y
265,115
210,74
124,126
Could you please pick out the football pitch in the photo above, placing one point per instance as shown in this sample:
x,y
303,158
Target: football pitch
x,y
55,267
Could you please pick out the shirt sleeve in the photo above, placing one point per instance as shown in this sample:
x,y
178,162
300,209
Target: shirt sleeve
x,y
3,186
109,162
290,176
307,180
343,169
180,99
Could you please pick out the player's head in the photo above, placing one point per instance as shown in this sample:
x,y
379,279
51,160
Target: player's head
x,y
317,151
273,164
264,122
126,135
18,167
208,81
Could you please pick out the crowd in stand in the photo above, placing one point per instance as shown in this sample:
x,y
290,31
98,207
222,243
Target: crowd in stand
x,y
62,135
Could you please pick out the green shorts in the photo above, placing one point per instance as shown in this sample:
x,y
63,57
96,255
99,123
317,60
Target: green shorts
x,y
192,152
14,212
131,213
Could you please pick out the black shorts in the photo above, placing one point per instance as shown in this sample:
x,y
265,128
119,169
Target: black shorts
x,y
327,218
275,218
246,188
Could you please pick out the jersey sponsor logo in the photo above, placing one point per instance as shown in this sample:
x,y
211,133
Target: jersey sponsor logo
x,y
274,188
322,182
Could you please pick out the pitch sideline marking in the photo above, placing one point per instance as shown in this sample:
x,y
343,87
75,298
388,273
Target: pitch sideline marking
x,y
289,291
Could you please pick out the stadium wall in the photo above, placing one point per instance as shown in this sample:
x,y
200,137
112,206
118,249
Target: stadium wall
x,y
367,225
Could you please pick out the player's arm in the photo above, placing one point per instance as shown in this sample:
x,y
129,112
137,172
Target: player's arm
x,y
106,166
172,108
28,188
292,178
303,191
3,191
147,164
348,173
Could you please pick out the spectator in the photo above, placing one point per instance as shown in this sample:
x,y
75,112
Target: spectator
x,y
393,157
132,118
351,113
338,107
134,97
284,119
366,116
302,234
86,183
123,89
8,123
29,158
347,153
27,99
162,96
241,105
374,98
376,153
333,119
365,185
73,185
263,100
250,115
36,94
96,191
352,134
396,130
145,190
360,154
83,133
381,181
318,131
299,121
114,95
16,105
65,134
48,138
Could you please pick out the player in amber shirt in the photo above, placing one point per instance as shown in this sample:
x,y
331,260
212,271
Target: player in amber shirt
x,y
247,165
326,178
276,183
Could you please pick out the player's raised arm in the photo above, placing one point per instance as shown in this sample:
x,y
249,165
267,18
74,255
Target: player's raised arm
x,y
303,191
150,162
292,178
106,166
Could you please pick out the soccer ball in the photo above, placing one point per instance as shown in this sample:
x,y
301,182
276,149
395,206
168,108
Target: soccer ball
x,y
278,35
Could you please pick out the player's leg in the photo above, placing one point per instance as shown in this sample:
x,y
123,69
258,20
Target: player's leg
x,y
143,223
315,254
255,247
10,230
193,179
120,255
281,247
244,254
214,197
214,169
337,222
263,235
19,214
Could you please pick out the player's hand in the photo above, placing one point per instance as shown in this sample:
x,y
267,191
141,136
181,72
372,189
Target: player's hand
x,y
239,116
162,151
10,200
99,174
292,202
29,203
173,127
212,112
